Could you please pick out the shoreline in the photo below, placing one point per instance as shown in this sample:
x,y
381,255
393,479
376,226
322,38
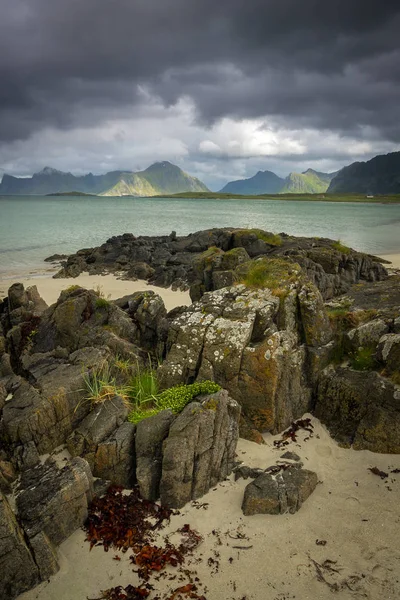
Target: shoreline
x,y
393,258
114,288
111,287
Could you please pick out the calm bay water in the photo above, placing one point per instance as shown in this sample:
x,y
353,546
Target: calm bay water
x,y
32,228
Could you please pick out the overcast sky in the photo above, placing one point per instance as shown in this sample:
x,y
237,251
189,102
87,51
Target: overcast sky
x,y
223,88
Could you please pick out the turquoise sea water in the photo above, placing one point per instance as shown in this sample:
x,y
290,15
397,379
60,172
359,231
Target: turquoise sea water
x,y
32,228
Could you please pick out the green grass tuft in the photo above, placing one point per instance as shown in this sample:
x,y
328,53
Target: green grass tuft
x,y
100,385
102,303
341,247
272,273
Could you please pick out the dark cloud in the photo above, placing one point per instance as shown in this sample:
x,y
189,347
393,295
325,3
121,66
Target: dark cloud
x,y
309,64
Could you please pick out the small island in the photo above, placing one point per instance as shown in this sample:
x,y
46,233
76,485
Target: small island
x,y
74,193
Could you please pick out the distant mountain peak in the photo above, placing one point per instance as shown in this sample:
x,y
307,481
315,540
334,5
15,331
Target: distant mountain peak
x,y
158,179
263,182
49,171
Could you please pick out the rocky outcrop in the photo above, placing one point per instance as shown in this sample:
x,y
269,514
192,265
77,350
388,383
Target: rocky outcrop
x,y
207,260
360,408
115,458
200,449
150,434
55,501
51,505
279,493
254,344
102,421
50,354
18,569
388,352
367,334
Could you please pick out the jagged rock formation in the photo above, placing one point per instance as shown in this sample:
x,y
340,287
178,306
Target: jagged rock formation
x,y
51,504
270,341
253,344
200,449
45,354
360,408
207,260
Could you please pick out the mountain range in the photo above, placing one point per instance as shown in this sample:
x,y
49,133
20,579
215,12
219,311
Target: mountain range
x,y
380,175
266,182
159,178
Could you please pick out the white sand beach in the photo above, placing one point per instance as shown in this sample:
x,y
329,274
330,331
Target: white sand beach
x,y
393,258
354,511
109,285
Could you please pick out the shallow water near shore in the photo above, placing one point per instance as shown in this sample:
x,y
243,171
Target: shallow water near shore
x,y
34,227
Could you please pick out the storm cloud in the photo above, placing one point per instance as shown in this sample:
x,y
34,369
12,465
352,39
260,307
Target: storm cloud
x,y
223,88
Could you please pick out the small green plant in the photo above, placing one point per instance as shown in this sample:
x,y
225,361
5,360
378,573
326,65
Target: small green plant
x,y
175,399
101,385
121,364
143,387
102,303
363,359
341,247
272,273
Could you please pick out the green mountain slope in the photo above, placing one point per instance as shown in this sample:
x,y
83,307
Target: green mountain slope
x,y
160,178
263,182
380,175
309,182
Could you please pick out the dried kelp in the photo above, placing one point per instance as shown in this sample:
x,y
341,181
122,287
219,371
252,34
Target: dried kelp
x,y
378,472
126,521
123,521
291,433
128,593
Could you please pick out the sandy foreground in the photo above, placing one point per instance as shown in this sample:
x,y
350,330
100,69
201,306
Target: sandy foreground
x,y
108,285
394,259
354,511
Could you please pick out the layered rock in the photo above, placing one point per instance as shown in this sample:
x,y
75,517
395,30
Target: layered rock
x,y
18,569
115,458
48,358
51,504
200,449
55,501
255,345
150,434
360,408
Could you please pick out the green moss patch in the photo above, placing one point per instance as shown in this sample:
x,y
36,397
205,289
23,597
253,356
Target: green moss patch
x,y
175,399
